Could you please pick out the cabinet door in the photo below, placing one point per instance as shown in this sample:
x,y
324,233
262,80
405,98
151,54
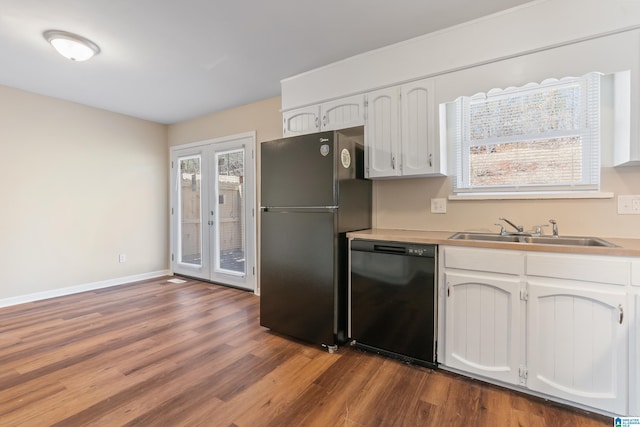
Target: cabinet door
x,y
301,121
417,132
483,325
381,133
342,113
634,353
577,342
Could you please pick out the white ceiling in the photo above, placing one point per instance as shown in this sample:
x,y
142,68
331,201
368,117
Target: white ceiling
x,y
172,60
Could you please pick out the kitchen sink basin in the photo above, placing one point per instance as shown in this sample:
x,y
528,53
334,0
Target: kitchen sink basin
x,y
539,240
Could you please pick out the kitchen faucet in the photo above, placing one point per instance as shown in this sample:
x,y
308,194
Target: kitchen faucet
x,y
555,227
518,228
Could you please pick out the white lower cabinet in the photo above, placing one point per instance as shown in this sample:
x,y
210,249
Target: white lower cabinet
x,y
560,326
577,342
634,341
483,324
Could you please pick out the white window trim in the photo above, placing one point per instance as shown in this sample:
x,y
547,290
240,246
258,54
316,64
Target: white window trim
x,y
588,187
533,196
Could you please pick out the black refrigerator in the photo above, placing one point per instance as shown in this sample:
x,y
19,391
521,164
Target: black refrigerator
x,y
313,192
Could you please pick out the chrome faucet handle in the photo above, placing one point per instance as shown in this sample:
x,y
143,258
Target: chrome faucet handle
x,y
555,227
502,230
537,230
518,228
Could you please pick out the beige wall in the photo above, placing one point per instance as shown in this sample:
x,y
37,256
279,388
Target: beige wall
x,y
406,204
79,186
263,117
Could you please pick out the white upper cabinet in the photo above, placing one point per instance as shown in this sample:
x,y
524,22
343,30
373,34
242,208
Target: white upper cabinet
x,y
342,113
400,136
381,134
420,153
301,121
332,115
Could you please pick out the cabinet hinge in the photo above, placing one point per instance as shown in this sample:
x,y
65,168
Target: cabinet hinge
x,y
524,295
254,271
171,164
172,257
523,373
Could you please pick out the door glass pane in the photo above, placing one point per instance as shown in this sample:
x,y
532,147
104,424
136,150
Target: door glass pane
x,y
230,218
190,211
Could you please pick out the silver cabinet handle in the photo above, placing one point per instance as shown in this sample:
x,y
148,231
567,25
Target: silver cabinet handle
x,y
317,122
430,160
393,162
621,316
324,120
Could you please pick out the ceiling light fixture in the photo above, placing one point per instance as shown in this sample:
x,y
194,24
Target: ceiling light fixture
x,y
71,46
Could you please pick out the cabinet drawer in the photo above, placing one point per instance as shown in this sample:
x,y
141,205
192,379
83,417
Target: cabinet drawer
x,y
490,260
579,267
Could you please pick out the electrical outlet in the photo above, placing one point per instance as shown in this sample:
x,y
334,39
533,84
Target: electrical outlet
x,y
122,258
438,206
628,205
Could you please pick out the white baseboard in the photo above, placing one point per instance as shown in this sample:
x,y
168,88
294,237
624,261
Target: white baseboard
x,y
21,299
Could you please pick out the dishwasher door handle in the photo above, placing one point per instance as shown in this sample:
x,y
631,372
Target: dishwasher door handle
x,y
390,249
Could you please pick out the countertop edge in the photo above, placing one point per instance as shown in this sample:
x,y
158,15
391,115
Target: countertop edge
x,y
625,247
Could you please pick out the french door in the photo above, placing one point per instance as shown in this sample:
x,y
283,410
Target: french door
x,y
213,230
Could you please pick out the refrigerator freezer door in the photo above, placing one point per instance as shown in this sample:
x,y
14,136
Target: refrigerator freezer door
x,y
299,171
297,296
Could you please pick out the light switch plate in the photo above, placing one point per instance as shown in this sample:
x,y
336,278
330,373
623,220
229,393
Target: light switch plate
x,y
438,206
628,205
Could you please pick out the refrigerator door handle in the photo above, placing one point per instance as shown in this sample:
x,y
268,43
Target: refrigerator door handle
x,y
297,208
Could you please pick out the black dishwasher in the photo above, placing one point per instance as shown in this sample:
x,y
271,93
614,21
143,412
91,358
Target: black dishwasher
x,y
393,299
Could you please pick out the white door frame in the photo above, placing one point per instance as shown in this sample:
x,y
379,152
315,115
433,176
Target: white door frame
x,y
207,149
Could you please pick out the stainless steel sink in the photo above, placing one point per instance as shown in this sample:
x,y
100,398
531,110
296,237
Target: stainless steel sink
x,y
540,240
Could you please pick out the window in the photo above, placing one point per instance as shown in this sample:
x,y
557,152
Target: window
x,y
539,138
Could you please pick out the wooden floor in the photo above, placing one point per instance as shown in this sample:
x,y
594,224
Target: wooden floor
x,y
155,353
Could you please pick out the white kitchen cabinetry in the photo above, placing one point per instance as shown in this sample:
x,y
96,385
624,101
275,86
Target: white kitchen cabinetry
x,y
400,137
381,134
301,121
342,113
568,319
483,333
577,342
421,153
332,115
483,312
634,341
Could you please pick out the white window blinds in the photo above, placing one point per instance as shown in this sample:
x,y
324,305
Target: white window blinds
x,y
536,138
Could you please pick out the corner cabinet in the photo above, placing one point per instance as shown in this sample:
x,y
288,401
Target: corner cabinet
x,y
400,132
332,115
554,324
